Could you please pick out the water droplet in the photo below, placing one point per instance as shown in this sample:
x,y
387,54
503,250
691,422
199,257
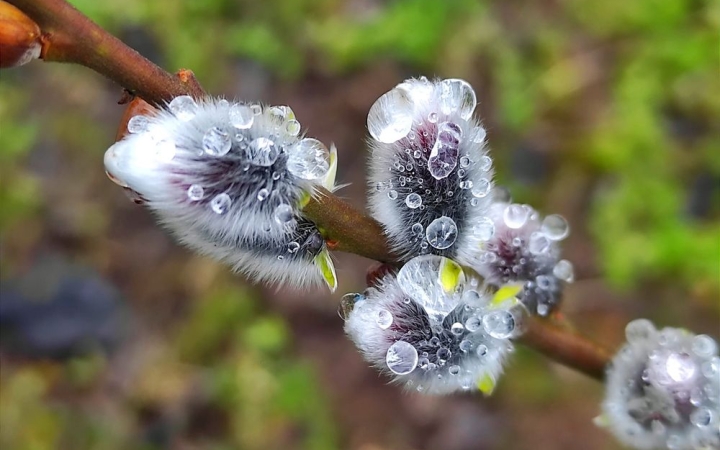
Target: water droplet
x,y
542,309
220,203
262,194
241,116
701,417
390,117
464,161
222,103
467,184
465,345
417,228
454,369
284,214
704,346
515,215
441,233
444,155
461,173
433,117
417,154
216,142
481,350
555,227
392,194
293,127
348,303
680,367
195,192
434,341
309,159
183,107
138,124
413,201
457,329
484,229
481,188
563,270
538,243
384,319
543,282
499,324
457,96
430,281
293,247
256,109
479,135
639,330
443,354
485,163
263,152
401,358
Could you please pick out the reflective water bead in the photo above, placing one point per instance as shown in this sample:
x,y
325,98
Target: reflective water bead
x,y
542,309
293,127
457,95
384,319
479,135
309,159
454,369
461,173
413,200
515,215
481,350
444,154
457,328
216,142
417,154
563,270
441,233
555,227
465,345
293,247
704,346
348,302
183,107
417,228
392,194
499,324
467,184
639,330
241,116
195,192
443,353
390,117
464,161
220,203
263,152
256,109
137,124
432,117
481,188
484,229
284,214
538,243
262,194
401,358
701,417
485,163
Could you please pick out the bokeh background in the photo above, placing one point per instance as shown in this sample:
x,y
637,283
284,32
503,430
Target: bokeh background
x,y
114,337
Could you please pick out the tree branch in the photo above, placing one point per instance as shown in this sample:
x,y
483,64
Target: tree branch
x,y
69,36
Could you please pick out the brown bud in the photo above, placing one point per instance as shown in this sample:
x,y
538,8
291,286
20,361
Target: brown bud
x,y
19,37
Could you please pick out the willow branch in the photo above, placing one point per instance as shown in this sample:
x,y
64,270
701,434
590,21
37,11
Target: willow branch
x,y
69,36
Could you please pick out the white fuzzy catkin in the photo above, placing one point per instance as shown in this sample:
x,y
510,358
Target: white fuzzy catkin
x,y
229,180
430,176
431,329
663,390
522,247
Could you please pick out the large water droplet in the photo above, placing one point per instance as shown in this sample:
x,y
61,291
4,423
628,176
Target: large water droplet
x,y
499,324
401,358
680,367
292,127
413,200
563,270
284,214
441,233
704,346
309,159
220,203
427,280
701,417
195,192
484,229
263,152
216,142
347,304
538,243
184,107
457,96
384,319
555,227
515,215
481,188
444,154
390,117
241,116
137,124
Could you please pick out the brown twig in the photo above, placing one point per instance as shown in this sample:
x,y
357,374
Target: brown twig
x,y
69,36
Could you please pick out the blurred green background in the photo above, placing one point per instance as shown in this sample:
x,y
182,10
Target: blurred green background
x,y
607,112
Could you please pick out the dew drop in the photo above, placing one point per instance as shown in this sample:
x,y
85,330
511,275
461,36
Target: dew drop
x,y
563,270
484,229
433,117
262,194
401,358
701,417
284,214
499,324
348,303
263,152
481,188
195,192
485,163
183,107
639,330
443,354
390,117
457,96
464,161
293,247
417,228
417,154
413,201
309,159
481,350
538,243
241,116
457,328
216,142
256,109
293,127
465,345
137,124
392,194
555,227
384,319
220,203
441,233
680,367
467,184
454,369
515,215
704,346
479,135
444,154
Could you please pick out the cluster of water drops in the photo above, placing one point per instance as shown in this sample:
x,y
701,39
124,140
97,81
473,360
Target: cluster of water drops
x,y
434,329
663,390
230,179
